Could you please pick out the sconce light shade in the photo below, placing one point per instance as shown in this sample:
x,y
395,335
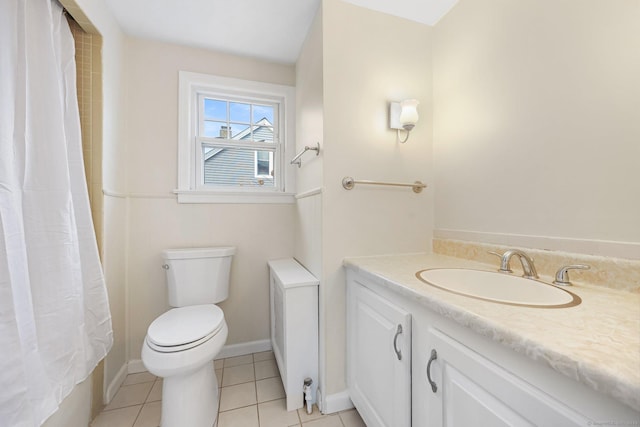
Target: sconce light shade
x,y
409,113
403,116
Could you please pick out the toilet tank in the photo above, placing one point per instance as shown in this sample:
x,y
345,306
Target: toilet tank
x,y
197,275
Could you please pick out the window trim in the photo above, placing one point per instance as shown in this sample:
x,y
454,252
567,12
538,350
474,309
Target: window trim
x,y
191,85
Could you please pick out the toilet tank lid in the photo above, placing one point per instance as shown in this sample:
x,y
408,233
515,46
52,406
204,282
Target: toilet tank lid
x,y
187,253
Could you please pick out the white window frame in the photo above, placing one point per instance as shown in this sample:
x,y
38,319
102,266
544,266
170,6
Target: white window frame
x,y
190,189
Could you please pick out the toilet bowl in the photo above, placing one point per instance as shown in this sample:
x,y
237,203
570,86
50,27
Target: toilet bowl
x,y
181,344
179,347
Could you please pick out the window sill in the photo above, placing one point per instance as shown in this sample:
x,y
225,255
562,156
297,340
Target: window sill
x,y
237,197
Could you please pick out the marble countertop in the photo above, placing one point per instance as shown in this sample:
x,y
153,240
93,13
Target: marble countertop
x,y
596,343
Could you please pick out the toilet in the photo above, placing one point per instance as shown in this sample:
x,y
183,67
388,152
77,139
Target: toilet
x,y
181,344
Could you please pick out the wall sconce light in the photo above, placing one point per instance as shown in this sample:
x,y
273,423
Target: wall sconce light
x,y
403,116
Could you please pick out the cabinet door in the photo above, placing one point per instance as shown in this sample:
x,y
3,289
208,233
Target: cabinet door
x,y
378,358
471,390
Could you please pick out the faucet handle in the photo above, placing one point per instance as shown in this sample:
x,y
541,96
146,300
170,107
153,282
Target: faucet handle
x,y
562,275
499,255
504,262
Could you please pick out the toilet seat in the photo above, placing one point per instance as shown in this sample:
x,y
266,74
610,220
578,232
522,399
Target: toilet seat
x,y
183,328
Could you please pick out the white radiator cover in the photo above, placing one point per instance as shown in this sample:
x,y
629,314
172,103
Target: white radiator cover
x,y
294,327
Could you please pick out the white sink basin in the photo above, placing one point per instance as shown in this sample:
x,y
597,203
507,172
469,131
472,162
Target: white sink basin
x,y
499,287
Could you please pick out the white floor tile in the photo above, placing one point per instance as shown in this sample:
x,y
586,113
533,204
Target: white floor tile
x,y
351,418
238,360
130,395
242,417
123,417
327,421
269,389
236,396
243,384
156,392
142,377
274,414
266,369
264,355
149,415
238,375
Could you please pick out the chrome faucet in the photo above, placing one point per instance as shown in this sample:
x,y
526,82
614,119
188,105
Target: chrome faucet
x,y
528,267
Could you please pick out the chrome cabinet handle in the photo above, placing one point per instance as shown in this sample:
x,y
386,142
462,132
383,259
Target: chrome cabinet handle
x,y
434,356
395,342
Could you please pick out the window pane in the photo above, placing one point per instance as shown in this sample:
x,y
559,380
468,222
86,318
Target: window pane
x,y
215,109
232,167
226,130
262,112
239,112
241,131
263,163
214,129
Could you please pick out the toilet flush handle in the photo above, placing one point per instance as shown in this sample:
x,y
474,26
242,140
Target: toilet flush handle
x,y
165,266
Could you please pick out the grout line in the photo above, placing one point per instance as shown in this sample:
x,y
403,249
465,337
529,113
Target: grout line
x,y
297,412
135,420
255,386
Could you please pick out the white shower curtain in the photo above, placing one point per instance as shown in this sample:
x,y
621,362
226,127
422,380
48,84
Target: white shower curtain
x,y
55,324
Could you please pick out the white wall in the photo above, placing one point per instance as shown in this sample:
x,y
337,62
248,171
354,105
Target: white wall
x,y
156,221
537,120
369,59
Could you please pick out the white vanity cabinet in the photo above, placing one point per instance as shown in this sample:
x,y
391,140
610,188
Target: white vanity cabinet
x,y
478,381
378,358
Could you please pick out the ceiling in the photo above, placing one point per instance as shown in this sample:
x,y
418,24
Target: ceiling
x,y
271,30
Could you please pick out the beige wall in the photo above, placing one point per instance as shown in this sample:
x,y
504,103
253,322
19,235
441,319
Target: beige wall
x,y
537,120
309,107
309,131
369,59
156,221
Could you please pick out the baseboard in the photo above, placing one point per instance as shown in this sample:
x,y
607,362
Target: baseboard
x,y
136,366
115,384
244,348
336,402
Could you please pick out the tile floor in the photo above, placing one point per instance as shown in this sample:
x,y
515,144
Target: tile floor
x,y
251,395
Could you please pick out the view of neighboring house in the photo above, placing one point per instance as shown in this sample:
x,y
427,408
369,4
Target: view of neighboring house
x,y
237,166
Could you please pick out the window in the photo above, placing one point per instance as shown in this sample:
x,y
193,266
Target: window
x,y
264,164
234,139
238,142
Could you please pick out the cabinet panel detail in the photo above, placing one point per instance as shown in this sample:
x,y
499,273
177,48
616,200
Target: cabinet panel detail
x,y
476,391
379,359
